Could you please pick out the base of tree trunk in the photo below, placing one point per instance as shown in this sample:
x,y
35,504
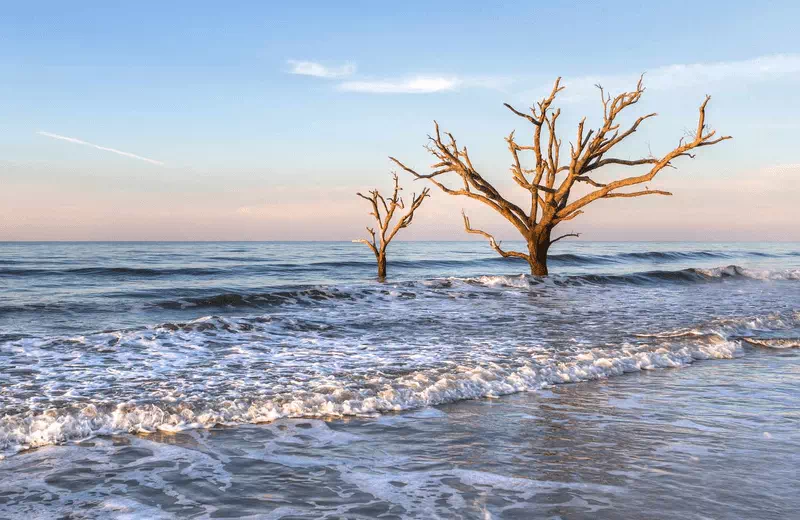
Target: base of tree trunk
x,y
381,268
538,246
539,269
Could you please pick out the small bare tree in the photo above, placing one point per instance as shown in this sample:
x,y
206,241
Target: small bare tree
x,y
383,210
550,183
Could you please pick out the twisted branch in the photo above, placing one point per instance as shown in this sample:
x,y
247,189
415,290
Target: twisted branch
x,y
492,242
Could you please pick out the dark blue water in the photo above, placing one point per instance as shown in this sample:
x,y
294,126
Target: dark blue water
x,y
207,354
84,287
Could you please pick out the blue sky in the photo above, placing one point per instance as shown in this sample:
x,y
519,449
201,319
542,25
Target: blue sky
x,y
253,120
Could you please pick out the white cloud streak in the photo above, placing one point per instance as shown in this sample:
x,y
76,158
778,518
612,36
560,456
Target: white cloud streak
x,y
418,85
103,148
763,68
310,68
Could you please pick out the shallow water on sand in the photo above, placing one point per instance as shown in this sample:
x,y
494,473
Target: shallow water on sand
x,y
233,380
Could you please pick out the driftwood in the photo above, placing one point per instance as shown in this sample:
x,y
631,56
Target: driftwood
x,y
550,182
383,210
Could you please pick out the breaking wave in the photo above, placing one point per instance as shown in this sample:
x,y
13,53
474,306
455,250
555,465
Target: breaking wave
x,y
778,343
687,276
374,394
214,390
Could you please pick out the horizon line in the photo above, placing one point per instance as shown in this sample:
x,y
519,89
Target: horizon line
x,y
397,241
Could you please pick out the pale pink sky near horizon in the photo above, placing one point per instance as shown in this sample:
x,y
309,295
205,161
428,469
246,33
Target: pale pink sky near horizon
x,y
750,208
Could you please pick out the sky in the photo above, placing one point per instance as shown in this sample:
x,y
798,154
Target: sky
x,y
261,120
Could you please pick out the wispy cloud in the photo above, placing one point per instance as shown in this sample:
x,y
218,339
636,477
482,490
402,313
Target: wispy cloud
x,y
425,84
104,148
310,68
763,68
418,85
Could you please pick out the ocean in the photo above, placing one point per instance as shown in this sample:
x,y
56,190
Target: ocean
x,y
282,380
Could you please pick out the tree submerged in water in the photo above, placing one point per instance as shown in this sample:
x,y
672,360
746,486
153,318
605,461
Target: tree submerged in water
x,y
383,210
549,182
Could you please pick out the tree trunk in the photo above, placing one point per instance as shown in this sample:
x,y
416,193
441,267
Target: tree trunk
x,y
381,265
538,244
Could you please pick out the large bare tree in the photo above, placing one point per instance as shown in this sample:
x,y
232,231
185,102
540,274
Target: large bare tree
x,y
549,182
383,210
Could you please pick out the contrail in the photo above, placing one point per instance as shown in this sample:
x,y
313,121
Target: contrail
x,y
104,148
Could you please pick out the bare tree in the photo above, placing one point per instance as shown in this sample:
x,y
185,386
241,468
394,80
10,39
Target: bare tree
x,y
383,210
550,182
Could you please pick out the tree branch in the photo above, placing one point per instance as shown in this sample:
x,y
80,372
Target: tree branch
x,y
605,162
532,119
637,193
492,241
576,235
587,180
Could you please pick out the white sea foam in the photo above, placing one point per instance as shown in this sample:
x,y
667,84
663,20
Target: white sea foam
x,y
731,271
756,274
346,397
778,343
434,493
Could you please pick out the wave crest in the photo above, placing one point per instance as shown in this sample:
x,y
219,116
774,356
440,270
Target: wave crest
x,y
691,275
377,393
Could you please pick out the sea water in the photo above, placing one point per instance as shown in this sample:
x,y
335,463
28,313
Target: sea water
x,y
269,380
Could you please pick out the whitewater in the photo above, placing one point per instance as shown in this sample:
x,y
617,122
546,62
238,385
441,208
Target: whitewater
x,y
181,350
